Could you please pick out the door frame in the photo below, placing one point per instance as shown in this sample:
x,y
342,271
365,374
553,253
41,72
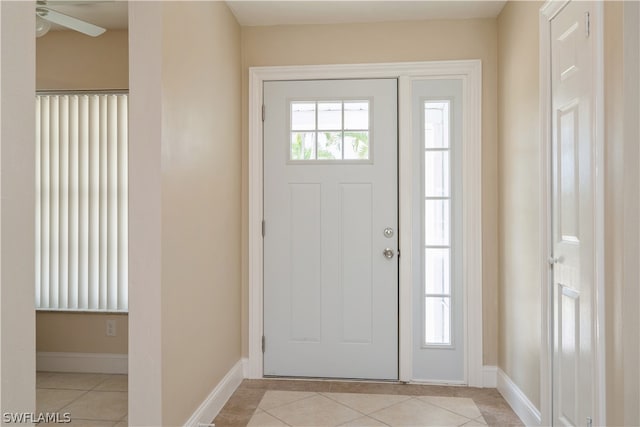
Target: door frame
x,y
547,12
470,72
631,352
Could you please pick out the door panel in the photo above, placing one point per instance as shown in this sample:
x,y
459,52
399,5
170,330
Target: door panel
x,y
356,263
305,247
330,165
572,214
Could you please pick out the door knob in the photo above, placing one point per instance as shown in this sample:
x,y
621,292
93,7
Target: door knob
x,y
388,253
553,260
388,232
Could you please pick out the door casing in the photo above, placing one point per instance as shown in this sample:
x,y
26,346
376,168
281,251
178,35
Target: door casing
x,y
470,71
548,11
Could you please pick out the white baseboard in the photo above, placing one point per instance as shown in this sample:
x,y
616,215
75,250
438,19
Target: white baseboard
x,y
245,367
518,401
216,400
100,363
489,376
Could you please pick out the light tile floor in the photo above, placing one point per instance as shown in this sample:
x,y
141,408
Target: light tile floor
x,y
278,402
294,408
90,399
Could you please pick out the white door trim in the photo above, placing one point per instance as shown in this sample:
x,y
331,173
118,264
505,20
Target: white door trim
x,y
547,12
470,71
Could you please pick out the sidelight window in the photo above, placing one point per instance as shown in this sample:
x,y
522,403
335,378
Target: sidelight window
x,y
437,224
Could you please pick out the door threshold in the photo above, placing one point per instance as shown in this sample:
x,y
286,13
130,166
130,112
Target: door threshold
x,y
368,381
325,379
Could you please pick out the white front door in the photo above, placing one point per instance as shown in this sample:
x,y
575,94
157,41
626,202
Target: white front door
x,y
573,222
330,242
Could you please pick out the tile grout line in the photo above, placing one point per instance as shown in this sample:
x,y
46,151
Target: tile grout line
x,y
319,394
84,393
79,397
488,408
279,419
372,415
369,416
271,415
284,404
408,397
346,406
73,401
416,398
363,413
99,383
450,410
329,396
258,408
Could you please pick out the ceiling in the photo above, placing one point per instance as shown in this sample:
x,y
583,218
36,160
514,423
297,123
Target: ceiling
x,y
113,14
253,13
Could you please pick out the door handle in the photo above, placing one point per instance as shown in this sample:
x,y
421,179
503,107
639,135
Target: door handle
x,y
553,260
388,253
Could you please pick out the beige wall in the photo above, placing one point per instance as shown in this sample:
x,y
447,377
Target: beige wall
x,y
67,60
80,333
200,208
519,183
614,201
391,42
621,50
631,274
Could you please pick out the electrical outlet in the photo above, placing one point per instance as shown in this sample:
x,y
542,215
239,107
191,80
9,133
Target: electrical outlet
x,y
111,328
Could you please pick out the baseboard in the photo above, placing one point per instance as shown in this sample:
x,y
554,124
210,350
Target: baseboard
x,y
245,367
489,376
100,363
518,401
212,405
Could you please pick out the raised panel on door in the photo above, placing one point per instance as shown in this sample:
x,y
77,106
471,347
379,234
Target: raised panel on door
x,y
356,262
305,269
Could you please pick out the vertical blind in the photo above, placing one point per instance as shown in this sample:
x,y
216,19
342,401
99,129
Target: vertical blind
x,y
81,202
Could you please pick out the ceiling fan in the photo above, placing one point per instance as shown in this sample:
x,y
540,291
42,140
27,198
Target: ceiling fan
x,y
45,16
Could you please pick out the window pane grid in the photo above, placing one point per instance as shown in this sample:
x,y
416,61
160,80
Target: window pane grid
x,y
437,222
319,133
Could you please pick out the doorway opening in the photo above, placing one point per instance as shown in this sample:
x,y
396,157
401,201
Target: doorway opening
x,y
471,270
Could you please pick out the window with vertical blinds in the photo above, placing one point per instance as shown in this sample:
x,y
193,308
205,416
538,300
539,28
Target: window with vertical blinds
x,y
81,202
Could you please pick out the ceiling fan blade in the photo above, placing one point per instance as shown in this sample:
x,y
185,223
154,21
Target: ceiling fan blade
x,y
53,3
69,22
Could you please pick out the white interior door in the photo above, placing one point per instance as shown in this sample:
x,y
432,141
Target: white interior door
x,y
330,243
573,214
